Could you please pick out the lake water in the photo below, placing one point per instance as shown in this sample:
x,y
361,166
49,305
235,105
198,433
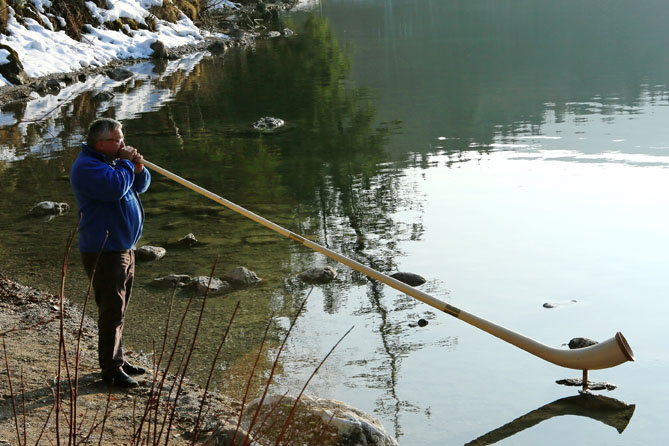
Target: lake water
x,y
513,153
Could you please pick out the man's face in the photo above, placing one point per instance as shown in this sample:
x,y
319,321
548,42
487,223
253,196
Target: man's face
x,y
110,143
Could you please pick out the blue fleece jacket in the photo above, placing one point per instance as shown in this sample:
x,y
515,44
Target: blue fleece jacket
x,y
107,193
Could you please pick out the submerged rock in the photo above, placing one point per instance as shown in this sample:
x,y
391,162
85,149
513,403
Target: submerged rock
x,y
241,277
409,278
216,286
268,123
148,253
318,275
180,280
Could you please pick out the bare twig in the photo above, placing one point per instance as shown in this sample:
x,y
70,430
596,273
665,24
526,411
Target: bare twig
x,y
190,351
286,424
23,403
211,373
62,351
276,361
11,392
248,383
77,351
104,416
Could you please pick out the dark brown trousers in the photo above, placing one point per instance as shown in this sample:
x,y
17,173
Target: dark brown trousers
x,y
112,285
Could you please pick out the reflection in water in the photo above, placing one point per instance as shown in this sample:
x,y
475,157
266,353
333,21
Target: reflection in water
x,y
609,411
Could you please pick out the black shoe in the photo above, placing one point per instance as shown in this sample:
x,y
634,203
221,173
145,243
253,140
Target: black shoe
x,y
133,369
119,379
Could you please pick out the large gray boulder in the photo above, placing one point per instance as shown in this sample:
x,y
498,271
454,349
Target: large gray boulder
x,y
334,422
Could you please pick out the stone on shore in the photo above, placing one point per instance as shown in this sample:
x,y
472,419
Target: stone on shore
x,y
336,423
159,50
12,70
223,434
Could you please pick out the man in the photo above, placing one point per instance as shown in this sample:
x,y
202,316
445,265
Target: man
x,y
107,178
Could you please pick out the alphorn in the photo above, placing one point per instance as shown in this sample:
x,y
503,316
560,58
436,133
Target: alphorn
x,y
609,353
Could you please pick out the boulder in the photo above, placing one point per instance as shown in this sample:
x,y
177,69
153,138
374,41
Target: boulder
x,y
49,208
159,50
12,69
409,278
217,286
148,253
241,277
335,423
180,280
318,275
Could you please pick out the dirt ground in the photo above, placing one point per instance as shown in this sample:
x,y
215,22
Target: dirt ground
x,y
29,329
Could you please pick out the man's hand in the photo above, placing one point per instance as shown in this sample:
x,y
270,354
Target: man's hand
x,y
131,154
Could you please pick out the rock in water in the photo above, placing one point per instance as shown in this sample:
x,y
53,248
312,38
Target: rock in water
x,y
318,275
173,279
217,286
241,277
268,123
148,253
409,278
581,343
49,208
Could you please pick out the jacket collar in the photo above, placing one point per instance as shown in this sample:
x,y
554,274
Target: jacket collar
x,y
95,154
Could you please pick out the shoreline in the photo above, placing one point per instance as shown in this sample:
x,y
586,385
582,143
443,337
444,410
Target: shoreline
x,y
29,328
243,37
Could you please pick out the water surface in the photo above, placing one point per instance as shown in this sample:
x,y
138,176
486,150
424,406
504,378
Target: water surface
x,y
512,153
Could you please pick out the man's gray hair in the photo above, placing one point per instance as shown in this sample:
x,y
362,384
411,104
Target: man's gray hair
x,y
101,128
